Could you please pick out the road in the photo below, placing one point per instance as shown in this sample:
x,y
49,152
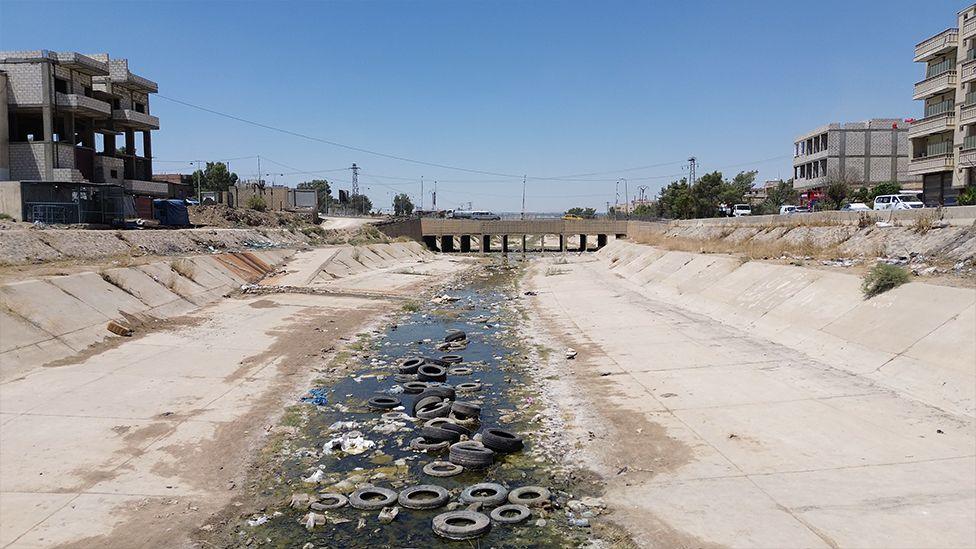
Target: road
x,y
346,223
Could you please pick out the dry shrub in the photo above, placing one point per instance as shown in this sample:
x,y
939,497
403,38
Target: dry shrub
x,y
881,278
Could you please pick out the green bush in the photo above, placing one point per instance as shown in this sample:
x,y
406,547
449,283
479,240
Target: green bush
x,y
255,202
881,278
968,196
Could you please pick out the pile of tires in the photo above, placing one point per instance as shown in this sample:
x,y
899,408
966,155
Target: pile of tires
x,y
471,454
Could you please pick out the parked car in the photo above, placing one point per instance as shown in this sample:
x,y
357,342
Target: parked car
x,y
856,207
485,216
740,210
901,201
787,209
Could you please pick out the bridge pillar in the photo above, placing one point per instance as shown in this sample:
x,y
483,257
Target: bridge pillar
x,y
562,242
447,243
465,243
504,243
601,240
582,243
525,242
485,243
431,242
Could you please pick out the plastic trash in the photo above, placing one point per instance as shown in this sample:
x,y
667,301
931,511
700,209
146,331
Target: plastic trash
x,y
318,397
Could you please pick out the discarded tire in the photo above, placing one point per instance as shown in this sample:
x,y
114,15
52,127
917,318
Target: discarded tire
x,y
422,445
461,525
430,411
431,372
501,441
329,500
410,365
372,498
393,416
452,359
404,378
442,469
435,361
425,496
414,387
451,426
465,410
443,390
460,371
471,454
383,402
456,335
433,431
470,387
510,514
488,494
530,496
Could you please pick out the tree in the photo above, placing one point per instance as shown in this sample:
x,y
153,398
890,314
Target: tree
x,y
255,202
780,195
214,177
835,195
675,201
360,203
734,192
586,213
645,210
888,187
322,188
402,205
968,196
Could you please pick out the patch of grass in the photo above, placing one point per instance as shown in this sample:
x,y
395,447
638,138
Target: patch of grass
x,y
183,267
881,278
314,232
5,217
923,223
411,306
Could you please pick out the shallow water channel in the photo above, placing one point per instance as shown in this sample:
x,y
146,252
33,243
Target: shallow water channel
x,y
484,310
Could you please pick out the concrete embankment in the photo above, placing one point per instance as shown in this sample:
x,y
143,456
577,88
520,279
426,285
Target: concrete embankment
x,y
50,318
917,339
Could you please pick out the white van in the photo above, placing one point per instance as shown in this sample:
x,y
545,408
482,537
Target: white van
x,y
901,201
740,210
485,216
787,209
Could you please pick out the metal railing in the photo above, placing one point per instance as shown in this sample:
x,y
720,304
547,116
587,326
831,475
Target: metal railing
x,y
52,213
939,108
941,67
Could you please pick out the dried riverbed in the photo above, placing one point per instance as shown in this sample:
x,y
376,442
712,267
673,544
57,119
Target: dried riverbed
x,y
298,463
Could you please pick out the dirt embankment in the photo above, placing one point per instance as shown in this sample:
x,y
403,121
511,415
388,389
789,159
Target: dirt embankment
x,y
222,216
924,246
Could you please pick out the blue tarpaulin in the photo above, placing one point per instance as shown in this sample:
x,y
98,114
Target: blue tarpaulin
x,y
171,212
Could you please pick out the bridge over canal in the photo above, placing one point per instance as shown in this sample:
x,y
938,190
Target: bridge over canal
x,y
467,235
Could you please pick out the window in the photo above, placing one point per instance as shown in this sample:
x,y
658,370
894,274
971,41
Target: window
x,y
884,199
114,174
60,85
140,107
116,104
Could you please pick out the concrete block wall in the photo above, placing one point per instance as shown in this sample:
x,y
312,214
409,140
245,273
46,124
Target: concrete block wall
x,y
26,82
918,339
27,160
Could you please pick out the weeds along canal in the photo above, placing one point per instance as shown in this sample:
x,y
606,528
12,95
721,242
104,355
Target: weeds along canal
x,y
334,442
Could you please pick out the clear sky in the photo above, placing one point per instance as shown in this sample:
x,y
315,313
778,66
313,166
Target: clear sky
x,y
542,88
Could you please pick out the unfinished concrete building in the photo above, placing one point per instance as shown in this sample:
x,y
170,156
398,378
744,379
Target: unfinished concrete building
x,y
62,115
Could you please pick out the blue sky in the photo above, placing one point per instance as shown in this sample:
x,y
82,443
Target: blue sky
x,y
541,88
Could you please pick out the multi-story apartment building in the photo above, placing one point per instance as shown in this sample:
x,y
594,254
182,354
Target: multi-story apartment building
x,y
860,153
63,115
944,139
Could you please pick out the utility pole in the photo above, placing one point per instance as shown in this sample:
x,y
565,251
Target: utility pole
x,y
197,173
259,172
433,196
692,162
643,190
355,179
421,193
523,199
627,198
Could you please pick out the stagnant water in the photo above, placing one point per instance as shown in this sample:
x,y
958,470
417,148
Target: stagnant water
x,y
483,310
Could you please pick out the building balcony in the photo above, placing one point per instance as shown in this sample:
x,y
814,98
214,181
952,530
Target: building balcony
x,y
136,167
931,164
969,28
967,72
943,42
935,85
135,119
937,123
967,114
84,105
